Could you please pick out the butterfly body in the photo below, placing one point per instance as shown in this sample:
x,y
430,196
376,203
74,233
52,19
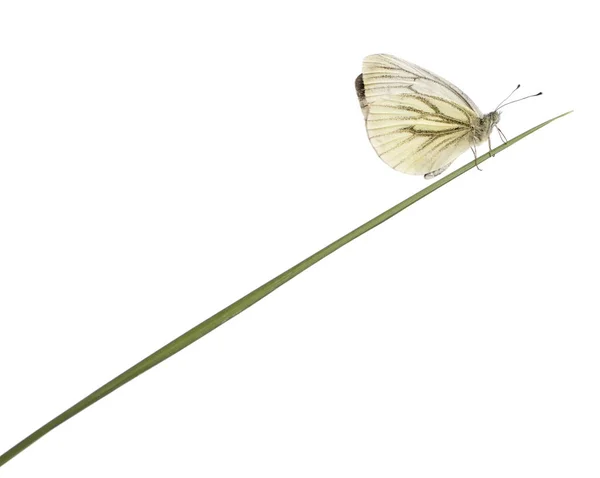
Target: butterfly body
x,y
417,122
483,129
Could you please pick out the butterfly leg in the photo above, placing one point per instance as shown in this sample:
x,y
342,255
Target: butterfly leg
x,y
490,146
474,149
502,137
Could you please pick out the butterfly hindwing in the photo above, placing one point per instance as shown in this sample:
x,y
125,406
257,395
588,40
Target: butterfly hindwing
x,y
413,141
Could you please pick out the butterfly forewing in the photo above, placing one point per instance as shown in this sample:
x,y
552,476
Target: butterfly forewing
x,y
385,75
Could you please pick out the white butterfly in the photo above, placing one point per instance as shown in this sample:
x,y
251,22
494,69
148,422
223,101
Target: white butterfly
x,y
418,122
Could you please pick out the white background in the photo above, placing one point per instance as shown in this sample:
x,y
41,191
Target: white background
x,y
158,160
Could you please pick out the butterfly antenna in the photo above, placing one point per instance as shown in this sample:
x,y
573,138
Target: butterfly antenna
x,y
520,99
513,92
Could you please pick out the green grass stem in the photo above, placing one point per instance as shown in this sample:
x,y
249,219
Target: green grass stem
x,y
242,304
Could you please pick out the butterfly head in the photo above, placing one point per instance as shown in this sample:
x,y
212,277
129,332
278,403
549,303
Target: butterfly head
x,y
486,124
494,118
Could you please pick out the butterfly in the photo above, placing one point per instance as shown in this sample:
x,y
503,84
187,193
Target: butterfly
x,y
418,122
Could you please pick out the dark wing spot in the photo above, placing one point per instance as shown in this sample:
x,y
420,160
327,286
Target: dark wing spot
x,y
359,84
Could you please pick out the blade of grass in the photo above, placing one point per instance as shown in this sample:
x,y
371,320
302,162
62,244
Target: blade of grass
x,y
240,305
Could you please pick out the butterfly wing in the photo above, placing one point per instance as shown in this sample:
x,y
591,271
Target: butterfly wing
x,y
417,122
385,75
413,136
